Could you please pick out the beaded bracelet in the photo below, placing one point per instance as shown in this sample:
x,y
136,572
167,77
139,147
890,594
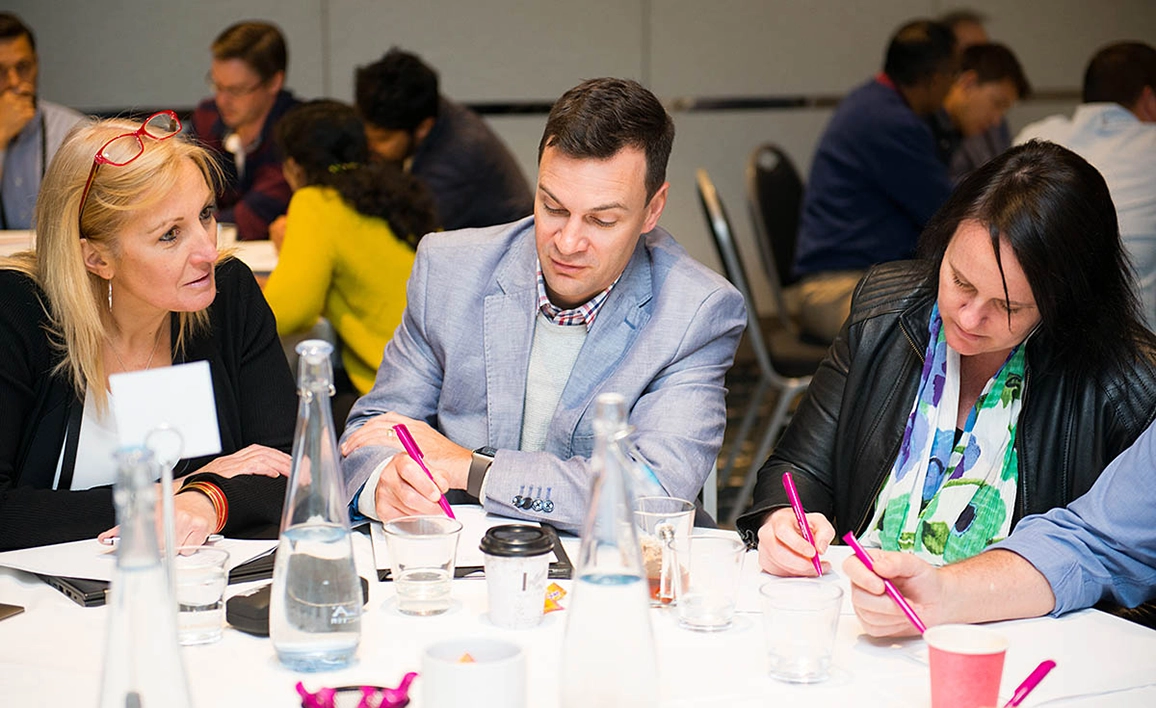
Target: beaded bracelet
x,y
218,499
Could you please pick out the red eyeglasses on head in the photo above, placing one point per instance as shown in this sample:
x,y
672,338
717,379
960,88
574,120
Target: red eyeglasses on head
x,y
125,148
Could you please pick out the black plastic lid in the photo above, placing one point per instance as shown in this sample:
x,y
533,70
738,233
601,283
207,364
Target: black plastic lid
x,y
514,540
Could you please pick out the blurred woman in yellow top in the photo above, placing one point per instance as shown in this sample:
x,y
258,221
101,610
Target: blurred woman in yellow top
x,y
349,237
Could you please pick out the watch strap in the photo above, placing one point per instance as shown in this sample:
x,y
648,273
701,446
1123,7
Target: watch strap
x,y
483,457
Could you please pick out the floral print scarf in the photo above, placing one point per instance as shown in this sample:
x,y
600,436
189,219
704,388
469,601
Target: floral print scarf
x,y
947,499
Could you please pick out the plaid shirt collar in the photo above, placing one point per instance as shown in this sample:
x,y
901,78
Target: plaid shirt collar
x,y
584,314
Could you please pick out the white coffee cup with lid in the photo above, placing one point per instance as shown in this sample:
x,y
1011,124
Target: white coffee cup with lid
x,y
517,560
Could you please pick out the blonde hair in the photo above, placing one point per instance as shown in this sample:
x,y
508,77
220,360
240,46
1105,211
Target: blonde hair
x,y
77,297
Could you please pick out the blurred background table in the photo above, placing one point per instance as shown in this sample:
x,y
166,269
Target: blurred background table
x,y
14,241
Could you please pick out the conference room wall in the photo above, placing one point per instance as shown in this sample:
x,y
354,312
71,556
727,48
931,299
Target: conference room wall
x,y
102,56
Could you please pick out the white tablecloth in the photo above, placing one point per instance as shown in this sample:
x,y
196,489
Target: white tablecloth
x,y
51,655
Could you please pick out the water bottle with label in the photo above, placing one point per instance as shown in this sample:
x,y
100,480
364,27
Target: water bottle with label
x,y
142,661
315,607
608,653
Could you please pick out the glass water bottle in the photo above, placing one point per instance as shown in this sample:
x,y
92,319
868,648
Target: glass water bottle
x,y
608,653
315,607
142,661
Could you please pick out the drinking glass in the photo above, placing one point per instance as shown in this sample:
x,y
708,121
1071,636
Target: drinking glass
x,y
422,552
200,588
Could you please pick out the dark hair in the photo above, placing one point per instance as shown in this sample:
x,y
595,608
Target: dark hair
x,y
12,27
599,117
1055,211
995,62
919,50
327,139
259,44
397,92
953,18
1119,72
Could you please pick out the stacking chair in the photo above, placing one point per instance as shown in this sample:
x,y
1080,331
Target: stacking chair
x,y
774,198
785,362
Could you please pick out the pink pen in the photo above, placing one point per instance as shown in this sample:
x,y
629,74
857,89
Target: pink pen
x,y
797,505
1030,683
414,451
888,586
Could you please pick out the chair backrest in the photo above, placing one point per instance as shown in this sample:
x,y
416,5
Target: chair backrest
x,y
775,198
719,226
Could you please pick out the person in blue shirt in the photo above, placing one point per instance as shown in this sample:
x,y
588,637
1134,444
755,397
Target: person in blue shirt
x,y
31,129
876,178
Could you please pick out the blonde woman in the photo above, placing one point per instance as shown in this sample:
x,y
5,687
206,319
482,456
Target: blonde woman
x,y
126,276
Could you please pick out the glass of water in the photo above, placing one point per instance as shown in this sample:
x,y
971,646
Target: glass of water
x,y
200,588
422,551
706,602
800,618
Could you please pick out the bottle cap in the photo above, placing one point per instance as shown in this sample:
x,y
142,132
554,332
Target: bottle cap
x,y
516,540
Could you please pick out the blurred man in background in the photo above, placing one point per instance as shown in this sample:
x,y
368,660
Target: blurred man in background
x,y
971,128
1115,130
474,179
248,80
876,178
31,129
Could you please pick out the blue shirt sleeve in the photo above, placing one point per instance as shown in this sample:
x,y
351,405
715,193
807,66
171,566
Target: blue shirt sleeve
x,y
1102,544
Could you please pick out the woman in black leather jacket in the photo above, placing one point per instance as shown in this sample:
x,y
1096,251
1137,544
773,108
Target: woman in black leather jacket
x,y
1024,257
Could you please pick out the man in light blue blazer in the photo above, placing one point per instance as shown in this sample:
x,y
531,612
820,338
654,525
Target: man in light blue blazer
x,y
511,332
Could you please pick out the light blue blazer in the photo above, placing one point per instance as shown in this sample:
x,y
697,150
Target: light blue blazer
x,y
664,339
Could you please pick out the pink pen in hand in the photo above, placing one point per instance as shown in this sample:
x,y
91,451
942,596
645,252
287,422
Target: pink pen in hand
x,y
888,586
801,516
414,451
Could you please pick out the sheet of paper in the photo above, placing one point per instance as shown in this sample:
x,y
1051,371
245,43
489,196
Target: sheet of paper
x,y
95,561
475,523
16,241
749,599
178,396
260,256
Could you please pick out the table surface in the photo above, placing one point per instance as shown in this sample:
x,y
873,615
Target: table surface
x,y
260,256
51,654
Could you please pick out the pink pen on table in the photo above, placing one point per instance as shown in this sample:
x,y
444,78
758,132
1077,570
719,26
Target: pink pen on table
x,y
888,586
1030,683
414,451
801,516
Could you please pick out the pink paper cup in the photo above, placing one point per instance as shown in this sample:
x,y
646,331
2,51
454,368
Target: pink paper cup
x,y
966,665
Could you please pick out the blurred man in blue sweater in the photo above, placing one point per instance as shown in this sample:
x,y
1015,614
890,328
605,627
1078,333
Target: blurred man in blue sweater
x,y
876,178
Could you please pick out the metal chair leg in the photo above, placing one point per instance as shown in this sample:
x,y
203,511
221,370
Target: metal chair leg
x,y
775,425
745,426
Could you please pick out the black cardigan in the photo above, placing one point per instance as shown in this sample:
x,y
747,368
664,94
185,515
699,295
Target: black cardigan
x,y
846,432
252,384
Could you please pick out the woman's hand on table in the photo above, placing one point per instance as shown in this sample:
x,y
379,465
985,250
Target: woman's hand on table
x,y
254,459
918,581
193,521
782,548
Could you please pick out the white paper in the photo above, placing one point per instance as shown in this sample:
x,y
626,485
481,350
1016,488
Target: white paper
x,y
749,599
93,560
16,241
180,397
475,523
260,256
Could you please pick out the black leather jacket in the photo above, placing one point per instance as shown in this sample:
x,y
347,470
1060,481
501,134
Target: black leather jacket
x,y
846,432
